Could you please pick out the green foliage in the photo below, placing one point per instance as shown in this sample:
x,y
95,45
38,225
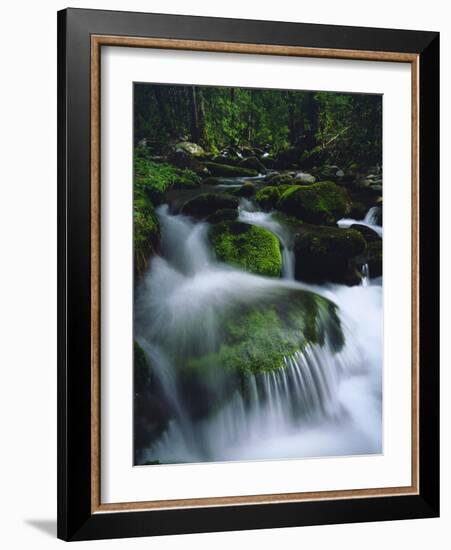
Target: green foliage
x,y
146,229
323,202
158,177
252,248
337,127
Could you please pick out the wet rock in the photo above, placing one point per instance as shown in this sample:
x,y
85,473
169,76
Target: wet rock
x,y
247,190
322,203
249,247
367,233
328,254
208,203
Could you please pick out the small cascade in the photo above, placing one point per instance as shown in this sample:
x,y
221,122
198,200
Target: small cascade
x,y
372,216
370,220
365,275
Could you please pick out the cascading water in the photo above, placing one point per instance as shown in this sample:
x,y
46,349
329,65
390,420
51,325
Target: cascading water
x,y
370,220
322,402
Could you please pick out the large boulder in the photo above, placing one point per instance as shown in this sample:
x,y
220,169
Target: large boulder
x,y
322,203
227,171
249,247
259,337
192,149
328,254
208,203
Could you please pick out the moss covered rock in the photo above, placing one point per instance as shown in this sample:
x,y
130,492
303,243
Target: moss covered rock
x,y
146,231
252,248
282,179
225,170
268,196
258,338
247,190
328,254
207,203
322,203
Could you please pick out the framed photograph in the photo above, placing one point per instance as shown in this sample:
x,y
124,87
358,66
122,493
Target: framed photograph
x,y
248,274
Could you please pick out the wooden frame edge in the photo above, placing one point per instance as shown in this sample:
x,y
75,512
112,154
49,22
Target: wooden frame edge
x,y
262,49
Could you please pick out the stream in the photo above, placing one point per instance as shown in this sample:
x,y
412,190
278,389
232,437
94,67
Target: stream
x,y
322,403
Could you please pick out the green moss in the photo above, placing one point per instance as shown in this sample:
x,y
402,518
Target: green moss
x,y
282,179
146,230
257,339
268,197
322,203
157,177
225,170
252,248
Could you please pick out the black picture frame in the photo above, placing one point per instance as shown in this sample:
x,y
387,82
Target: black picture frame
x,y
76,521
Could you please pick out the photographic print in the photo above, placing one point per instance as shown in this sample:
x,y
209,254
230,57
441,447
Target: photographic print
x,y
258,303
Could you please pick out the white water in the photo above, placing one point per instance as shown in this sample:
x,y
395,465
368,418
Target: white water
x,y
321,404
369,220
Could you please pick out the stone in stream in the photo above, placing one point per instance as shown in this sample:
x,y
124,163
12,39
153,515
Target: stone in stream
x,y
321,203
328,254
368,234
249,247
208,203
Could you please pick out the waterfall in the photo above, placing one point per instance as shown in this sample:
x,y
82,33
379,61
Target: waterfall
x,y
320,402
365,275
370,220
372,215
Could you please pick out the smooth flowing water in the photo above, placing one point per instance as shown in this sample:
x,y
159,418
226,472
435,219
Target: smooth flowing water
x,y
322,403
370,220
